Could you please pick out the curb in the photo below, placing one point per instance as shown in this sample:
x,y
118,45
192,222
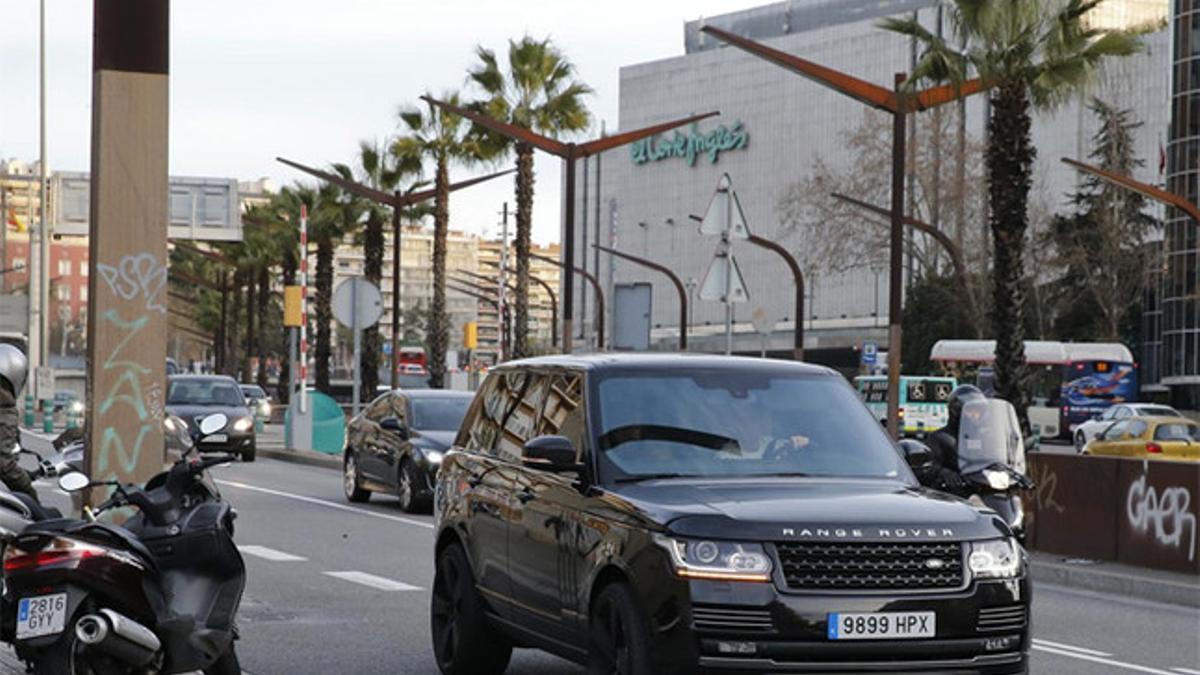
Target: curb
x,y
1118,583
305,457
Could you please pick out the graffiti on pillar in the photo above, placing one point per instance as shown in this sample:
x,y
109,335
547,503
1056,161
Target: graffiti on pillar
x,y
138,276
1164,515
126,397
1046,481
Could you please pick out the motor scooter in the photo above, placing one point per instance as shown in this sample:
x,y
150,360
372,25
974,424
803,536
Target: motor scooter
x,y
159,594
991,460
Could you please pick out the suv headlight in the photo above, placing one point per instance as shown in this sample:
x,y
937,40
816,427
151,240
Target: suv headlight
x,y
717,560
994,559
243,424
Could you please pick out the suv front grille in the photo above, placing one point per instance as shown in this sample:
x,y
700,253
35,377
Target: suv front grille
x,y
871,566
722,619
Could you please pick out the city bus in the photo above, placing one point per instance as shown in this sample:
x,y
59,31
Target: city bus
x,y
1070,381
922,400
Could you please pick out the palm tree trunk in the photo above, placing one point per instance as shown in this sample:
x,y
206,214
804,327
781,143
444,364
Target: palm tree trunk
x,y
232,357
437,336
1010,156
323,313
251,309
264,305
520,342
373,250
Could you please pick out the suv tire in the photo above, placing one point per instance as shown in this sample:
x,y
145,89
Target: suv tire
x,y
464,643
618,633
350,482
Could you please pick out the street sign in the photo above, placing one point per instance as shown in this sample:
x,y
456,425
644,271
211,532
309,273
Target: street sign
x,y
870,352
43,377
723,215
715,280
357,296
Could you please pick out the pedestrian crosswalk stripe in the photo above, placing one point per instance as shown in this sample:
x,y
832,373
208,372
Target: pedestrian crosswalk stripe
x,y
373,581
270,554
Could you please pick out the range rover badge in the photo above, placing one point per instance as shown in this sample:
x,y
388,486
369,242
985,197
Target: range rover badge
x,y
935,563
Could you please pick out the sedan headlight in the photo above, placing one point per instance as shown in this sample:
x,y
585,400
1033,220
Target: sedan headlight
x,y
433,457
264,409
997,480
994,559
717,560
76,406
243,424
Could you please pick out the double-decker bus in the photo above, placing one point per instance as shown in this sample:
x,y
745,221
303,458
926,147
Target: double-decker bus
x,y
1070,381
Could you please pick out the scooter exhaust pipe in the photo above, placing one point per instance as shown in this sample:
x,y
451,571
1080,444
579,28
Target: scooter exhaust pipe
x,y
118,636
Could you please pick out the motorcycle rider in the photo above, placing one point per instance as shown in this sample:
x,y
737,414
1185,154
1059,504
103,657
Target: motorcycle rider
x,y
944,441
14,368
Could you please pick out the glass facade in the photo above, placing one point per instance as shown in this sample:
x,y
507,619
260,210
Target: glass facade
x,y
1181,244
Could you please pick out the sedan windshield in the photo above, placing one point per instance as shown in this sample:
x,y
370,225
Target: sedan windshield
x,y
728,423
439,414
205,392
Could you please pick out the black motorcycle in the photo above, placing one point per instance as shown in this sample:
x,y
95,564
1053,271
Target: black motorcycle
x,y
157,595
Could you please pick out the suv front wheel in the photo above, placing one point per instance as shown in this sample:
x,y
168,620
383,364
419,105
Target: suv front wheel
x,y
464,643
619,633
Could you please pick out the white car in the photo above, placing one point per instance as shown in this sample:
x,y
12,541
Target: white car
x,y
1088,431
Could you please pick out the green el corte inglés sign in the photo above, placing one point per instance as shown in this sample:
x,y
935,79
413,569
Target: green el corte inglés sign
x,y
691,145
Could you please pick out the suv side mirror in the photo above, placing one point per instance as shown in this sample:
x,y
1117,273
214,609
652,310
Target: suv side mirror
x,y
394,424
917,454
555,454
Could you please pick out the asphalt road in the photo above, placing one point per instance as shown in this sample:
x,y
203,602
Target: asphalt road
x,y
336,588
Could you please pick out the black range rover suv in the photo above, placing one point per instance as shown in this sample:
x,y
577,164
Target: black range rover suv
x,y
643,514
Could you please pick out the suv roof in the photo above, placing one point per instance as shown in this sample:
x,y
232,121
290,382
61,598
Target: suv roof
x,y
665,361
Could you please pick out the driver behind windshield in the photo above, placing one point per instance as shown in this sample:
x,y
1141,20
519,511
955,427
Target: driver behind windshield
x,y
944,441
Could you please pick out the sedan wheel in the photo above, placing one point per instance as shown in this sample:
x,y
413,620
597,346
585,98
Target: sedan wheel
x,y
1080,442
408,486
350,481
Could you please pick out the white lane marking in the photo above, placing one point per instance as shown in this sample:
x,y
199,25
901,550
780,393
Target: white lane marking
x,y
322,502
1107,662
1186,671
1059,645
373,581
270,554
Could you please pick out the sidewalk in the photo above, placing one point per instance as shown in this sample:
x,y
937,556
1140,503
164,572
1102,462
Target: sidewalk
x,y
270,445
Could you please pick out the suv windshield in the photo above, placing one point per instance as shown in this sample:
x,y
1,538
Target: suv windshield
x,y
729,423
205,392
439,414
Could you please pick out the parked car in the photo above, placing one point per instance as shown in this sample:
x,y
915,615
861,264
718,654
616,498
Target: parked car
x,y
194,397
672,514
1088,431
1144,437
259,400
397,443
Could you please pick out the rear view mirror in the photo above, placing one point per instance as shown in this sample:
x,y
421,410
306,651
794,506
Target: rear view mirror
x,y
917,454
73,481
213,423
555,454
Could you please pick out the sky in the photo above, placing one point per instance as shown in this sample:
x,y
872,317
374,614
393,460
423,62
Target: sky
x,y
307,80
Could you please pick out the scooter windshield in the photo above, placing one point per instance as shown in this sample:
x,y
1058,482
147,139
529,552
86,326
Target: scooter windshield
x,y
988,433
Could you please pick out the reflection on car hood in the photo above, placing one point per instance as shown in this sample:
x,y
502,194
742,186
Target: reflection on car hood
x,y
780,509
437,440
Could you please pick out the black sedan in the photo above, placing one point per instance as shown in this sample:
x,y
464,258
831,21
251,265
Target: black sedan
x,y
396,444
194,397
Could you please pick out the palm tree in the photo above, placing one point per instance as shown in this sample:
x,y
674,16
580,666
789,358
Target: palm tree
x,y
382,171
334,215
537,90
443,138
1035,54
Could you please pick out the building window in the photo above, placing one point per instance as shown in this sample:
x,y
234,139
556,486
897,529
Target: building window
x,y
64,267
64,292
83,293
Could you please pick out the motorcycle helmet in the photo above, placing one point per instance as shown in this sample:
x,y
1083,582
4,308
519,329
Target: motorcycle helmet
x,y
954,405
14,367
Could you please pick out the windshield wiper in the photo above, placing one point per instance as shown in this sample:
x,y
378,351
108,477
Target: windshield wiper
x,y
654,476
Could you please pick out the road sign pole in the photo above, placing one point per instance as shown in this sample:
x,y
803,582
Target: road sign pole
x,y
357,330
728,241
896,276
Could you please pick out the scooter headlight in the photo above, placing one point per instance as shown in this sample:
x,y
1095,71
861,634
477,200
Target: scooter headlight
x,y
717,560
997,480
995,559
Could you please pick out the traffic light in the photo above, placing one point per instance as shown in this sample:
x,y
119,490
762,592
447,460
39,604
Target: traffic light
x,y
471,335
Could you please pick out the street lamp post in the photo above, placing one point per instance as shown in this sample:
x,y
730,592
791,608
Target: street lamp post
x,y
596,289
541,282
899,104
397,201
683,298
569,152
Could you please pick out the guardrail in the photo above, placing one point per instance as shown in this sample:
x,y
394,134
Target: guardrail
x,y
1133,511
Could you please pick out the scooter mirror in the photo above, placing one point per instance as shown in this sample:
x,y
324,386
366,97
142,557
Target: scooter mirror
x,y
213,423
73,481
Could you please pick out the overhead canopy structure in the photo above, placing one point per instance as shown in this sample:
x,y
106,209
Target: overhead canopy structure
x,y
1039,352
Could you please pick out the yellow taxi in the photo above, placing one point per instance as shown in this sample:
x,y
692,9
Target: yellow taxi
x,y
1149,438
